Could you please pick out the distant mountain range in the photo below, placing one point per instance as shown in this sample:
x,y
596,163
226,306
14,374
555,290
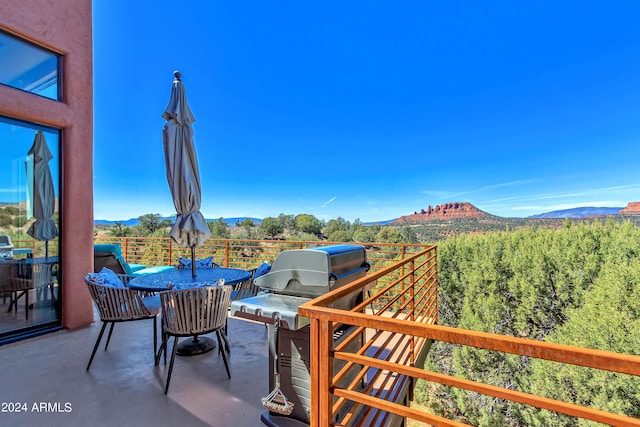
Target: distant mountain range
x,y
578,212
446,211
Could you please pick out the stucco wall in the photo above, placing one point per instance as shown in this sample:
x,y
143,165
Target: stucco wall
x,y
63,26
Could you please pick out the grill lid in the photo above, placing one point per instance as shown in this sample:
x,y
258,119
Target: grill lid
x,y
313,272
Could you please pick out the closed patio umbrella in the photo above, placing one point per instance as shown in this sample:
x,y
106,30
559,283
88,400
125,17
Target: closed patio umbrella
x,y
190,228
43,197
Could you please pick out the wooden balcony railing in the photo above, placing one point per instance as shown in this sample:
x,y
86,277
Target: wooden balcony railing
x,y
399,322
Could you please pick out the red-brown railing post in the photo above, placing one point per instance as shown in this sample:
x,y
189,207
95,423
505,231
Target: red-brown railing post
x,y
226,253
126,249
314,390
325,373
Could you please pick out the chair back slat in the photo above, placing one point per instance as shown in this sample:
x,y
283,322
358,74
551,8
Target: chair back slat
x,y
195,311
117,304
246,289
8,275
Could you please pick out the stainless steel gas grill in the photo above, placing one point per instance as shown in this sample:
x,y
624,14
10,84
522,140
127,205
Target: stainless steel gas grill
x,y
297,276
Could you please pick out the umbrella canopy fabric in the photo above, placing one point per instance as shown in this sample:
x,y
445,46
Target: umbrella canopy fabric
x,y
43,197
190,228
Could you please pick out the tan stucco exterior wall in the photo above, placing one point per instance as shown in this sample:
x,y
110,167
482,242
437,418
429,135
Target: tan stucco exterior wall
x,y
63,26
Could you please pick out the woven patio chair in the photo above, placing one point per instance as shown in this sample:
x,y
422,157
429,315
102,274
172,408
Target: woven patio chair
x,y
248,288
17,283
191,312
39,278
8,272
120,304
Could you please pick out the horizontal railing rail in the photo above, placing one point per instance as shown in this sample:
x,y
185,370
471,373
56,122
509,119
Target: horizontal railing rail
x,y
399,322
242,253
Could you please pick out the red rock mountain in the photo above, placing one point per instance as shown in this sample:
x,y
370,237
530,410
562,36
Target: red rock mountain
x,y
445,211
633,208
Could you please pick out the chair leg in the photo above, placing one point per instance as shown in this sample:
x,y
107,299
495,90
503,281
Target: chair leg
x,y
166,341
173,356
162,350
95,347
224,355
155,339
53,296
109,336
226,341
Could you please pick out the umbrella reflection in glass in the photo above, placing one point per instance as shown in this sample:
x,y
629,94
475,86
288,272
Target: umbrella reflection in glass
x,y
43,198
183,176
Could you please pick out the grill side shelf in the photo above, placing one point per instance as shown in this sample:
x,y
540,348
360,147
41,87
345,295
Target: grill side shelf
x,y
271,308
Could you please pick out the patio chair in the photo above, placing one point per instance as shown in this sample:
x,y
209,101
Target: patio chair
x,y
8,272
110,256
191,312
16,282
248,288
40,277
117,303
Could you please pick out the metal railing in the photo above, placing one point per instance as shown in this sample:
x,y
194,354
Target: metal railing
x,y
399,320
244,254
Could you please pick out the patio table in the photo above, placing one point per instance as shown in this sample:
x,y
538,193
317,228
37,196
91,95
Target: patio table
x,y
168,279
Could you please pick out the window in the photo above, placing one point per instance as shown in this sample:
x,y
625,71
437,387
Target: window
x,y
29,227
28,67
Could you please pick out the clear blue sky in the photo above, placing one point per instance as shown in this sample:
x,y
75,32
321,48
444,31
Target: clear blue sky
x,y
371,109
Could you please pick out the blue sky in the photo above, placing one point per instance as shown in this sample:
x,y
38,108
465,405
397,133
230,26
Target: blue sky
x,y
370,109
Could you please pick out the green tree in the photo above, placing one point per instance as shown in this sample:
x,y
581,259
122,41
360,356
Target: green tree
x,y
288,222
247,224
271,226
576,285
340,236
308,224
390,235
338,224
120,230
609,319
219,229
408,235
5,220
150,223
11,210
364,234
20,220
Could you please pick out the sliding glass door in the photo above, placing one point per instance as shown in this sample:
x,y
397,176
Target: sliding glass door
x,y
30,276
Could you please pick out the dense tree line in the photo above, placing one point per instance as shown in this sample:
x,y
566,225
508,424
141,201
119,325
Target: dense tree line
x,y
577,286
304,227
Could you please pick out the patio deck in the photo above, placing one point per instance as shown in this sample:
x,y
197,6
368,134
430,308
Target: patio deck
x,y
123,388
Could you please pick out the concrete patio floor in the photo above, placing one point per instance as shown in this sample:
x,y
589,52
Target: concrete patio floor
x,y
123,388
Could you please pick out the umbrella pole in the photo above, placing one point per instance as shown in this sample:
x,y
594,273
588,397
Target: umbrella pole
x,y
46,249
193,261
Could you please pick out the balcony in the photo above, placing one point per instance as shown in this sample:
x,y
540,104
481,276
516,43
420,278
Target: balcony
x,y
123,388
398,320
